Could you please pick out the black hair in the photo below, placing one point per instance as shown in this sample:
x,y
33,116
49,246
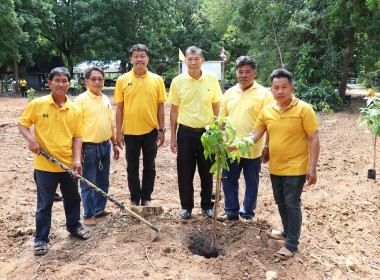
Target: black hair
x,y
193,49
282,73
138,47
245,60
87,74
58,71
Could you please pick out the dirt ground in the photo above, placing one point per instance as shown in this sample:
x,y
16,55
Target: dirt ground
x,y
339,239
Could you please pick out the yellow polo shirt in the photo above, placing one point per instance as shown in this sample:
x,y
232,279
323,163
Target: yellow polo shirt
x,y
195,98
23,83
243,110
54,129
140,96
288,142
97,116
371,92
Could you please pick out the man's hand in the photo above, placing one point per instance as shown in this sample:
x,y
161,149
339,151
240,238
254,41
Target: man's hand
x,y
174,146
116,152
265,155
120,140
311,176
160,139
34,146
77,167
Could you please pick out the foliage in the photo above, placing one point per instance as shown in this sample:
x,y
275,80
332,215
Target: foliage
x,y
370,116
322,97
216,141
31,94
371,78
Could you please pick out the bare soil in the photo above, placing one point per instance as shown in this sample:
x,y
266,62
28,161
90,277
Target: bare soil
x,y
339,239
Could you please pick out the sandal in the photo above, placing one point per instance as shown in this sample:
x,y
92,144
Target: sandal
x,y
40,248
284,254
82,233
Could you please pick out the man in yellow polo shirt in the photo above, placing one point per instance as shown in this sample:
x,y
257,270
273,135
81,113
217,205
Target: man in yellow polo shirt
x,y
292,127
23,85
193,95
140,96
98,131
242,104
58,131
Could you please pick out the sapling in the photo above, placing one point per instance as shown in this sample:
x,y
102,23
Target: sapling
x,y
216,140
370,116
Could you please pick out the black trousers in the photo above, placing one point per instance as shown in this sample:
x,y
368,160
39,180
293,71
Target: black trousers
x,y
133,146
23,91
190,155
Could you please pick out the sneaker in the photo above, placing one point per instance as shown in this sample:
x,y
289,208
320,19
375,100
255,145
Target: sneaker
x,y
248,219
276,235
186,214
209,212
227,217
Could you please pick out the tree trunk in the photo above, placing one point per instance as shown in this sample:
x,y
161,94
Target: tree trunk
x,y
70,64
346,63
123,65
15,64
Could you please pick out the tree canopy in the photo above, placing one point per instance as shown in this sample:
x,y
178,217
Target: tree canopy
x,y
320,41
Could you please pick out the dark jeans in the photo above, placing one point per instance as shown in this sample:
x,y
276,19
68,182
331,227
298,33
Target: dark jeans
x,y
96,169
287,192
230,179
47,183
23,91
133,145
190,155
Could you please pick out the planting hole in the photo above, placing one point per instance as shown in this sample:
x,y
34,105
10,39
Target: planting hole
x,y
201,245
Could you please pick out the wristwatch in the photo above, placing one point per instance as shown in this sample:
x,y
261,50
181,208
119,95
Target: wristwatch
x,y
162,130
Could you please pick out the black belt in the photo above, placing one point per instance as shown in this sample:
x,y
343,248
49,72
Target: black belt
x,y
201,129
96,144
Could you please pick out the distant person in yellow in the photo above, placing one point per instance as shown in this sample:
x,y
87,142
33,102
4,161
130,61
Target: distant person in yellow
x,y
370,91
58,131
23,85
242,104
98,136
140,96
194,95
292,127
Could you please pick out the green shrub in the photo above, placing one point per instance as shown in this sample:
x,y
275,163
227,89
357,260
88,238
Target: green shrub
x,y
321,96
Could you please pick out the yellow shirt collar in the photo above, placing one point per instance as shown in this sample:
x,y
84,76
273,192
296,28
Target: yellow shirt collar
x,y
292,103
92,95
143,76
64,107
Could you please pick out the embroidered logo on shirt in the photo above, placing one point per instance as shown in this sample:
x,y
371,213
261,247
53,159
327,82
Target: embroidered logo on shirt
x,y
129,84
45,115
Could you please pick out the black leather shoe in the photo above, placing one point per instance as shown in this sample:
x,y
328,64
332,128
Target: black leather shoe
x,y
58,197
227,217
208,212
186,214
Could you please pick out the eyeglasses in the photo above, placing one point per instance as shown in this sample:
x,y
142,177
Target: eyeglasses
x,y
95,80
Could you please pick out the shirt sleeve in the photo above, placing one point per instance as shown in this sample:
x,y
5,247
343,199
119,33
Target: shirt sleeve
x,y
309,120
119,94
260,121
78,128
161,91
217,91
223,107
28,117
173,93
